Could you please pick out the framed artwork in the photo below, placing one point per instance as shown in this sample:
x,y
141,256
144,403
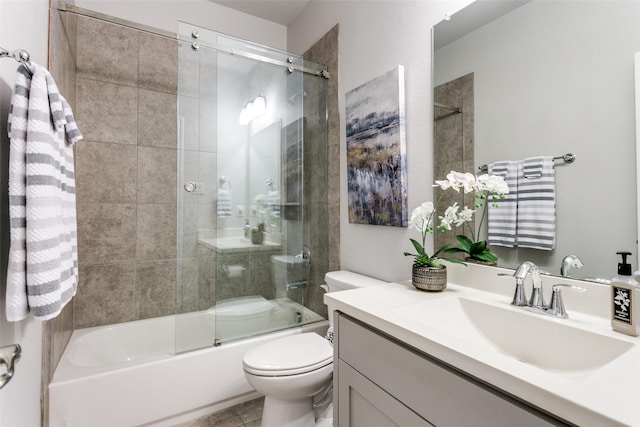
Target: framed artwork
x,y
376,151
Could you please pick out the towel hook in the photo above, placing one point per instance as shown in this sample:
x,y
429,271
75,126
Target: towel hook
x,y
20,55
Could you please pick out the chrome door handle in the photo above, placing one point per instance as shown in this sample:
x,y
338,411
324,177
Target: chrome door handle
x,y
8,357
190,186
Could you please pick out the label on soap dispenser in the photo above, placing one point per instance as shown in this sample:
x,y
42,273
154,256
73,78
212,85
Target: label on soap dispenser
x,y
622,305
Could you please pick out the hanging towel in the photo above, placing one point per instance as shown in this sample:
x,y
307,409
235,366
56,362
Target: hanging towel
x,y
224,202
42,273
502,219
273,202
537,204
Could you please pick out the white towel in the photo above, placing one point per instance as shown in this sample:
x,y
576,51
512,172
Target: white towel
x,y
224,202
537,203
502,219
42,274
273,202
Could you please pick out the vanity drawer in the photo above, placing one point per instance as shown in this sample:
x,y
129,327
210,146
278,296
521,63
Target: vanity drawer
x,y
437,393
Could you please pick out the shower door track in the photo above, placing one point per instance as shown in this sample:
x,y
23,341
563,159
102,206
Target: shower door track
x,y
64,7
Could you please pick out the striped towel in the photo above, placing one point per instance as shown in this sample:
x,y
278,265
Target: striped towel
x,y
42,273
502,219
224,202
537,204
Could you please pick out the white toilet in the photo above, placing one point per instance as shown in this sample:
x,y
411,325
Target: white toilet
x,y
290,371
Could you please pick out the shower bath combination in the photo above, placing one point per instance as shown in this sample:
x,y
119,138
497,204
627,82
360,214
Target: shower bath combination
x,y
177,265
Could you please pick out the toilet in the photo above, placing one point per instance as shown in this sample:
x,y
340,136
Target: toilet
x,y
291,371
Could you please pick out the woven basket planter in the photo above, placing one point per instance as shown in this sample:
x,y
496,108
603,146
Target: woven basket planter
x,y
429,278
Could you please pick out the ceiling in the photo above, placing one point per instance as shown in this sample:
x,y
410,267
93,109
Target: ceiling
x,y
279,11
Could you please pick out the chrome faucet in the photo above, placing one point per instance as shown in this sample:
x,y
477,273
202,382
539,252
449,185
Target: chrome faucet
x,y
520,297
555,307
569,262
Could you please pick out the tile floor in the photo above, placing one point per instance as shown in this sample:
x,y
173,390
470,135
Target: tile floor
x,y
247,414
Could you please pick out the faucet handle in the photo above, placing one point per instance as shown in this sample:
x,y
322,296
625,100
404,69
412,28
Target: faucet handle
x,y
519,296
556,306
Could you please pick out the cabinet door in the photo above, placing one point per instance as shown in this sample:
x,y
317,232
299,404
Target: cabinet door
x,y
361,403
432,390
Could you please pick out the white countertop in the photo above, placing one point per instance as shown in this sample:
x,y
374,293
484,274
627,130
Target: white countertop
x,y
608,395
236,244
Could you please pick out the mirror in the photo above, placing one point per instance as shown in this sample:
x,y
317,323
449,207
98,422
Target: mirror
x,y
550,78
264,176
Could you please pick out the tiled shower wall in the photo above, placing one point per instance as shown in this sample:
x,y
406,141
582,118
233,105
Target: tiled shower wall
x,y
322,173
454,143
125,174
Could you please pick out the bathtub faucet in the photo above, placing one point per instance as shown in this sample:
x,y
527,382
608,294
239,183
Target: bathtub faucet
x,y
301,284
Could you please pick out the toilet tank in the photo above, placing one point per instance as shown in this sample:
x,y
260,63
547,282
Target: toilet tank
x,y
343,280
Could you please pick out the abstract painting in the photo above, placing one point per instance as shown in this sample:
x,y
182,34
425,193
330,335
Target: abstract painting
x,y
376,163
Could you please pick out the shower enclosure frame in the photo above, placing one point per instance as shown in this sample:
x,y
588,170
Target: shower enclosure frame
x,y
271,70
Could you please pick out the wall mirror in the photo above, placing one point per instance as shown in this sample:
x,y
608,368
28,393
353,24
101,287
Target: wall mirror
x,y
264,175
549,78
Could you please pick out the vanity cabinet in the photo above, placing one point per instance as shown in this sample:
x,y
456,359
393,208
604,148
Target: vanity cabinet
x,y
379,381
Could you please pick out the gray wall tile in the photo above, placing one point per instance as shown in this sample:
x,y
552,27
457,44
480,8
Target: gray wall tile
x,y
157,169
107,112
155,289
187,286
157,125
206,281
156,232
105,295
107,52
158,63
104,233
105,173
188,115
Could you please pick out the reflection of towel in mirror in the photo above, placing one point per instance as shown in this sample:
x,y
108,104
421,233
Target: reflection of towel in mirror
x,y
502,219
537,204
224,202
273,202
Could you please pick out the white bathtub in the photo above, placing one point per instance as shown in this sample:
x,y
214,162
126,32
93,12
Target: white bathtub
x,y
128,375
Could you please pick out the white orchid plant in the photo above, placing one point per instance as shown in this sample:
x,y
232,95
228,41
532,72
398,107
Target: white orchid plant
x,y
486,187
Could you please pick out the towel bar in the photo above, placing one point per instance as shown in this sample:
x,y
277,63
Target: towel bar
x,y
567,158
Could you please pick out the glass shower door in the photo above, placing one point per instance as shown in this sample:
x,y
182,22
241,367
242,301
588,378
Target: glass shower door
x,y
241,191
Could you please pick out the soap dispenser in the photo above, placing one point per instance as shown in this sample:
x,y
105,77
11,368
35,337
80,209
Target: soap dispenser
x,y
624,313
247,230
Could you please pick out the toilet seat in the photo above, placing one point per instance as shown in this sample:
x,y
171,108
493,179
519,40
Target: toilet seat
x,y
292,355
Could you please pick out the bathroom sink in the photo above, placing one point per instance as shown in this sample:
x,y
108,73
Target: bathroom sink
x,y
534,339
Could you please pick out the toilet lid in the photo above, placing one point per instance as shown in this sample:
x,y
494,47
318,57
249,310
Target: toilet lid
x,y
290,355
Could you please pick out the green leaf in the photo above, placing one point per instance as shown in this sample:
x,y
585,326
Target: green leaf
x,y
486,256
425,261
418,247
443,248
464,242
454,251
478,247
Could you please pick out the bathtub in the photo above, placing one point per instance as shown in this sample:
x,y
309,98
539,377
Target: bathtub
x,y
129,374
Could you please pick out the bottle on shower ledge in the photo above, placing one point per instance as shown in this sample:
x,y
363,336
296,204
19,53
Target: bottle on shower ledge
x,y
247,230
